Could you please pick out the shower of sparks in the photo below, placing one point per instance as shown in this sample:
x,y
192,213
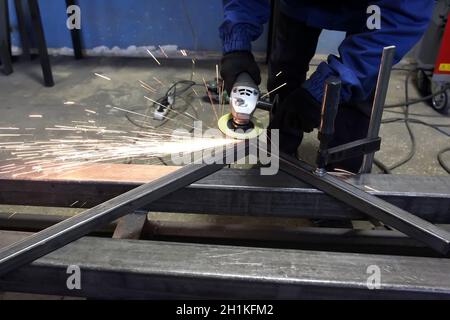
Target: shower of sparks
x,y
276,89
90,111
210,99
222,98
217,84
159,81
147,86
102,76
11,135
163,52
154,58
72,152
78,144
217,74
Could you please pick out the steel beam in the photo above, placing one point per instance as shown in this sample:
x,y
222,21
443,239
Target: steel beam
x,y
78,226
130,269
245,192
262,233
374,207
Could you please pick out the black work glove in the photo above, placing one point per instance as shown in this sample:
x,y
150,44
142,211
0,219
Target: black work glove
x,y
298,111
235,63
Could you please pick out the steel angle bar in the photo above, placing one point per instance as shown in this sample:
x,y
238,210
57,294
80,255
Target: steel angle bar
x,y
57,236
374,207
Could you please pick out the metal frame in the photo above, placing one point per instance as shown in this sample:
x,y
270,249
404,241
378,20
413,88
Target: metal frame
x,y
74,228
38,33
374,207
5,41
250,193
75,35
67,231
41,42
133,269
21,22
150,266
78,226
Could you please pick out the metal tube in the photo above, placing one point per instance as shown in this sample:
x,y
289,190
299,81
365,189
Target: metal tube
x,y
75,35
41,42
378,103
5,43
21,22
59,235
330,108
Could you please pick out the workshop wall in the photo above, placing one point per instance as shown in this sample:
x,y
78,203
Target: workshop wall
x,y
119,27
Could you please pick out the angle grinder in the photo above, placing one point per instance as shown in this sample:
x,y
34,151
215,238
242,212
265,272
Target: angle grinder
x,y
240,123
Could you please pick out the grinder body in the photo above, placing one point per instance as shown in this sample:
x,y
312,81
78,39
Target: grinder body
x,y
243,100
240,123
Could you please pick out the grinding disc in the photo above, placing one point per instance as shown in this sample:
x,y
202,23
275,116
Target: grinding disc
x,y
224,126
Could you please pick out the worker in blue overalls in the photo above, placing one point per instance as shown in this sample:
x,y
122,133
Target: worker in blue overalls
x,y
300,22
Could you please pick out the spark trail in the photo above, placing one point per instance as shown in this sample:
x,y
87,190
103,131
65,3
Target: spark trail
x,y
80,143
73,152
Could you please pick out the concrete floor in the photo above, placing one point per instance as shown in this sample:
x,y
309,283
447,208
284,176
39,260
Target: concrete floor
x,y
22,94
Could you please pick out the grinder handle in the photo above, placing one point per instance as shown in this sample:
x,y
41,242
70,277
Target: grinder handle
x,y
244,79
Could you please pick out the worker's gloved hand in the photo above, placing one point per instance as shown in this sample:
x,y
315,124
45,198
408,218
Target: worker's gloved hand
x,y
235,63
300,111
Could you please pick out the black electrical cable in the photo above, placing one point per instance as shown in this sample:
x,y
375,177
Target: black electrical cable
x,y
412,150
435,126
419,114
176,93
419,100
382,166
407,121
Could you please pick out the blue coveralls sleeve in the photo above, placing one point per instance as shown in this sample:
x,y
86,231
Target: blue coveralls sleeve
x,y
243,23
403,22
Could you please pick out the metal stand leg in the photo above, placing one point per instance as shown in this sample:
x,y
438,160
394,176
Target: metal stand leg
x,y
76,36
42,45
22,29
5,43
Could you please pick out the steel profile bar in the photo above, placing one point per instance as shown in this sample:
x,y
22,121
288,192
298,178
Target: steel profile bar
x,y
152,269
374,207
59,235
280,196
382,88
